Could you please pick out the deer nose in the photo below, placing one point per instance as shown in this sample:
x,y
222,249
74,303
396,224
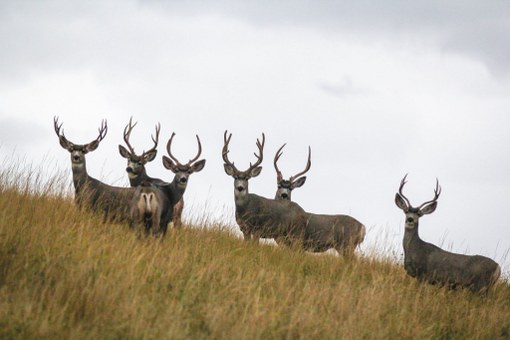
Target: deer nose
x,y
183,180
240,188
76,158
285,196
129,169
410,220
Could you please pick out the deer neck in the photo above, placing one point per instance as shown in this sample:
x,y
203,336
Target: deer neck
x,y
177,189
80,175
136,180
411,239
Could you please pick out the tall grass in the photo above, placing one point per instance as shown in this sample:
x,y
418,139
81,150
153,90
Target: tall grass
x,y
66,274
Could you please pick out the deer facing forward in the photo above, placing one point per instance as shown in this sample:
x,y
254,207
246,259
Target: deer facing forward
x,y
322,232
257,216
429,263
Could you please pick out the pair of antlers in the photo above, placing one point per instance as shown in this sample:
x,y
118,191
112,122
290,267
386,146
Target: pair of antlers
x,y
102,132
127,135
299,174
260,147
437,192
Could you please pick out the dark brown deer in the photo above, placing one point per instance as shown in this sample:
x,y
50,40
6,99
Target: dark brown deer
x,y
429,263
260,217
113,202
136,168
341,232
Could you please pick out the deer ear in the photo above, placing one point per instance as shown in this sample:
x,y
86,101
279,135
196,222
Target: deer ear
x,y
149,156
255,172
229,169
428,209
168,164
198,166
399,201
299,182
66,144
90,146
123,151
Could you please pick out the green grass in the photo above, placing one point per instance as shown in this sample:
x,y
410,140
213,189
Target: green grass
x,y
66,274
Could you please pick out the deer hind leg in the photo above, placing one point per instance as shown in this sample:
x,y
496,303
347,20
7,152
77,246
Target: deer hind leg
x,y
178,208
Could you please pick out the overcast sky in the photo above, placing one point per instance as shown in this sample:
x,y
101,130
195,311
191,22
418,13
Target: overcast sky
x,y
377,89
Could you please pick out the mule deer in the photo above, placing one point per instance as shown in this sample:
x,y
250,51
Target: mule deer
x,y
260,217
322,232
90,192
136,168
174,191
427,262
149,208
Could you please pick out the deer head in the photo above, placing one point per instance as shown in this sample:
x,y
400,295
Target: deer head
x,y
413,214
78,151
182,171
241,177
285,187
136,163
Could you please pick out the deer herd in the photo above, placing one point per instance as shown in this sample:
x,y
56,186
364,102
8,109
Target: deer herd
x,y
151,204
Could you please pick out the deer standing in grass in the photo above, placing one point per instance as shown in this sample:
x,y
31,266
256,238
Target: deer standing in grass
x,y
427,262
136,168
260,217
174,190
341,232
114,202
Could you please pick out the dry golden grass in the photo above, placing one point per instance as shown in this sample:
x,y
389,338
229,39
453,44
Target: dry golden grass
x,y
65,274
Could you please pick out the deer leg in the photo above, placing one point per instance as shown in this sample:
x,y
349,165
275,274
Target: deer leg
x,y
178,207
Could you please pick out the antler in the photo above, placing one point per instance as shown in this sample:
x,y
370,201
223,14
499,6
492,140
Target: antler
x,y
155,140
57,127
127,134
102,131
169,150
260,146
402,183
437,192
308,165
279,153
224,153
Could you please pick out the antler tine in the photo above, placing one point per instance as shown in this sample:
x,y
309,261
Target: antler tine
x,y
437,192
402,183
279,153
127,134
169,148
199,151
308,165
260,156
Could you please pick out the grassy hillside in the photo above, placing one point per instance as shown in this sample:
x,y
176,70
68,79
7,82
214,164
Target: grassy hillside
x,y
65,274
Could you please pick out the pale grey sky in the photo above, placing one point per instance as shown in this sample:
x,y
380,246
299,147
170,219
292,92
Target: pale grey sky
x,y
376,89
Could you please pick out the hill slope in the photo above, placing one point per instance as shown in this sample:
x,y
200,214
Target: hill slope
x,y
64,273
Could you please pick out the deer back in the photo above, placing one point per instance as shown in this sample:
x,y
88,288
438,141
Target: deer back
x,y
270,218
